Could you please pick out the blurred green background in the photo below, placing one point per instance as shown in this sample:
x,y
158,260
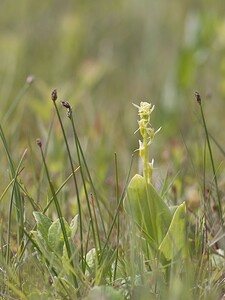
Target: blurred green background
x,y
102,56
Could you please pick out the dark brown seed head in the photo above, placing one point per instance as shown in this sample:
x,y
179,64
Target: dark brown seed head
x,y
66,104
54,95
39,143
198,97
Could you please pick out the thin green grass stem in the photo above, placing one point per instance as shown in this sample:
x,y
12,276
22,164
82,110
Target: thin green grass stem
x,y
75,183
89,177
17,194
85,189
6,189
58,190
45,153
205,245
117,210
96,226
65,237
10,211
217,144
11,108
86,246
213,166
118,218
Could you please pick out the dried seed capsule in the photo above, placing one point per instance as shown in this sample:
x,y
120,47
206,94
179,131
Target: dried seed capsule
x,y
39,143
198,97
66,104
54,95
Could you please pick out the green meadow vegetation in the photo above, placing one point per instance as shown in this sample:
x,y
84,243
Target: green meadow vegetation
x,y
112,150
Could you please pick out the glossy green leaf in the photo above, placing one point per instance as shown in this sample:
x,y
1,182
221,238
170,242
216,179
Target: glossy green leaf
x,y
147,209
175,239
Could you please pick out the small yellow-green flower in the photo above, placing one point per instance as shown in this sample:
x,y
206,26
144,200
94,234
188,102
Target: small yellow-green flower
x,y
147,132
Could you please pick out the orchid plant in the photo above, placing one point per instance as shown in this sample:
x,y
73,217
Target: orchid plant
x,y
163,229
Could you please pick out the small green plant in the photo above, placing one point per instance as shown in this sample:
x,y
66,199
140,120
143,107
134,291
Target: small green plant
x,y
167,252
160,226
51,244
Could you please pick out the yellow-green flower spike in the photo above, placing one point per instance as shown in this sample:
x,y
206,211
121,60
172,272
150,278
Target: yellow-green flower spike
x,y
147,132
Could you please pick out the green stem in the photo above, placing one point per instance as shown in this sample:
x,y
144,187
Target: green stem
x,y
118,218
65,237
213,166
117,211
91,182
85,188
12,107
145,158
75,183
16,195
15,185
